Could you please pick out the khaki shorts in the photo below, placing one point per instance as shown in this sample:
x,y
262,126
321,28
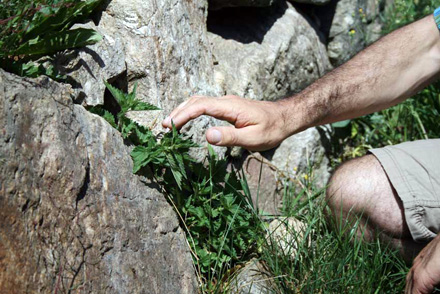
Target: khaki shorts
x,y
414,170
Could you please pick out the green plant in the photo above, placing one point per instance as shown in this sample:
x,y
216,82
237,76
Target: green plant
x,y
32,29
402,12
214,205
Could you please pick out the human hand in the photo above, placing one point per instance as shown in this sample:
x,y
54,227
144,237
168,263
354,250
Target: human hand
x,y
258,125
425,272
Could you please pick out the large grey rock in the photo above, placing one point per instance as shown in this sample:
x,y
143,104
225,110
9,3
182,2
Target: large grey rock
x,y
73,217
166,47
265,54
355,24
217,4
161,46
91,66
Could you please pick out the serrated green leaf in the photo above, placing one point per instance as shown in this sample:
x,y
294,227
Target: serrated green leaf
x,y
181,164
53,18
109,117
140,105
117,94
141,157
145,136
130,97
57,41
178,177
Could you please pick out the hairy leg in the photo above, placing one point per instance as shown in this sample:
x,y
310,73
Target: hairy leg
x,y
360,191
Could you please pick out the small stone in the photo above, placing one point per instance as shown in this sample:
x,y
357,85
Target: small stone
x,y
288,234
253,278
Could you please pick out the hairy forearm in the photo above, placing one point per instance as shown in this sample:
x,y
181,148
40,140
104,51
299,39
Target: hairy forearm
x,y
382,75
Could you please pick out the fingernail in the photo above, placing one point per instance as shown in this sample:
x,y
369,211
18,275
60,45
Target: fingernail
x,y
215,136
167,121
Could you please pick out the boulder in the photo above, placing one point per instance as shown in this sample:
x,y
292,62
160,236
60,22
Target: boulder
x,y
160,46
265,53
351,25
73,217
90,66
166,48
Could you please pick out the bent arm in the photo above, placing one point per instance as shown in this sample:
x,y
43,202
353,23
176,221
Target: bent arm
x,y
382,75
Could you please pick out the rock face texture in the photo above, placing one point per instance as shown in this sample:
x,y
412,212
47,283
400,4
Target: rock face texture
x,y
350,26
161,46
265,53
73,216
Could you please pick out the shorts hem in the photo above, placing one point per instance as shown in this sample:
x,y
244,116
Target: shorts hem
x,y
413,207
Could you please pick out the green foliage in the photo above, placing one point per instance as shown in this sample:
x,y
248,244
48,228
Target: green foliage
x,y
31,29
403,12
126,102
214,205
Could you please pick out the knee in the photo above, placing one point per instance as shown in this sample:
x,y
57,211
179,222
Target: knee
x,y
351,186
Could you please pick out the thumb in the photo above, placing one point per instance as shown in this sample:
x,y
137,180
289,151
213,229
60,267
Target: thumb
x,y
222,136
230,136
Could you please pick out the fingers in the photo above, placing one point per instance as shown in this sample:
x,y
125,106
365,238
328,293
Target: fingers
x,y
409,282
417,283
220,108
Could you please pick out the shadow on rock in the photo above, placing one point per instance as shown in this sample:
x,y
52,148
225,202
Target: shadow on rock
x,y
245,24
